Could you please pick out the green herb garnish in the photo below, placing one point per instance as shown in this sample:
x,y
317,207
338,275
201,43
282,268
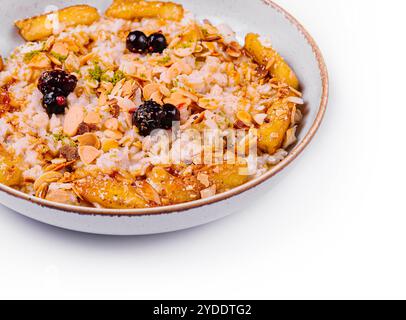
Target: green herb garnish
x,y
96,73
30,55
118,76
60,57
99,75
164,60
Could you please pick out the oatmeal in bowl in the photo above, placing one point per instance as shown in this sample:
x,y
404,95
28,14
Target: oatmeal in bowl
x,y
141,107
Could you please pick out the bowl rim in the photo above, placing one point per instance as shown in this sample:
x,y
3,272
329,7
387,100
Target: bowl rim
x,y
293,154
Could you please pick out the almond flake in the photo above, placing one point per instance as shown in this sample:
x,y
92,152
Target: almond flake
x,y
73,119
88,154
209,192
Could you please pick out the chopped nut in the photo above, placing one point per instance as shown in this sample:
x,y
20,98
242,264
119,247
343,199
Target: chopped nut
x,y
114,110
83,128
234,50
69,153
88,154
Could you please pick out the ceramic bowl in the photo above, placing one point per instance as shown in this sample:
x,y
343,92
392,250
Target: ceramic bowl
x,y
262,16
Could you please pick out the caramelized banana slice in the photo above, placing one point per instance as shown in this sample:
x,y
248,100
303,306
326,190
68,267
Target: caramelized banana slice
x,y
10,174
38,28
110,193
227,177
185,188
269,58
174,189
136,9
271,135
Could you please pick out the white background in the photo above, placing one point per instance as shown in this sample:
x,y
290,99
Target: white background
x,y
334,227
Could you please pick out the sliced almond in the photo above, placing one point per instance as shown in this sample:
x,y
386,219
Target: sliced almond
x,y
150,89
209,192
126,104
89,139
83,60
58,166
188,94
182,68
60,196
92,118
157,97
111,124
73,119
188,42
207,104
129,88
40,61
54,60
164,90
88,154
47,177
110,134
203,179
49,43
72,63
260,118
118,88
60,48
290,137
178,99
42,190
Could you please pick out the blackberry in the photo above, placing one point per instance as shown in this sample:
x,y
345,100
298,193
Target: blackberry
x,y
55,102
170,114
148,117
57,80
137,42
157,43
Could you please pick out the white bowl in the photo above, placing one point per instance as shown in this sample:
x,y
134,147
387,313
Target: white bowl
x,y
264,17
